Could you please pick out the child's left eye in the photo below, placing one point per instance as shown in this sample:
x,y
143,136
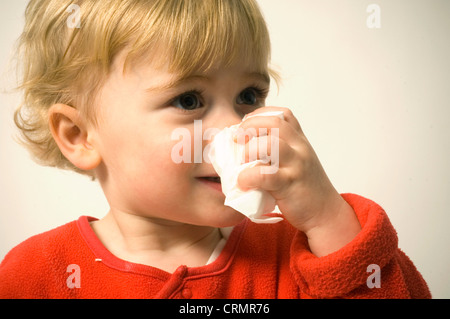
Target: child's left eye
x,y
188,101
251,96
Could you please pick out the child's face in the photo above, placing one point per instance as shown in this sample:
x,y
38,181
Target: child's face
x,y
137,114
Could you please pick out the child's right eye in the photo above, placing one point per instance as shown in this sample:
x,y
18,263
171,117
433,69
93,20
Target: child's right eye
x,y
188,101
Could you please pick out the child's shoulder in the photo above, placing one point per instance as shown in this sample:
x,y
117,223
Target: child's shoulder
x,y
32,262
54,239
27,268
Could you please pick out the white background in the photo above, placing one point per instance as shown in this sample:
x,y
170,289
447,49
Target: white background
x,y
374,103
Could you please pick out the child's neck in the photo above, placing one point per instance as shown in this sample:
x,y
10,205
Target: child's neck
x,y
162,244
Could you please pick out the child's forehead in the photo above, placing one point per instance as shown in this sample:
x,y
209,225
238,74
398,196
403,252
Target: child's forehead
x,y
168,76
183,67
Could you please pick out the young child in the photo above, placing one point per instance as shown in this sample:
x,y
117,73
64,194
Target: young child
x,y
105,84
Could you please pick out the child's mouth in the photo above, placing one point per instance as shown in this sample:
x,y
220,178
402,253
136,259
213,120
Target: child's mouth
x,y
212,181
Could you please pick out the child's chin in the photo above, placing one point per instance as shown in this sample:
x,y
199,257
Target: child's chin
x,y
227,218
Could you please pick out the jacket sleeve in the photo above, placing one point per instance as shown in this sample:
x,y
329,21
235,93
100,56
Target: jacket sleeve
x,y
370,266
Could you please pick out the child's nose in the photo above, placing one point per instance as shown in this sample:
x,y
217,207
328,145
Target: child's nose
x,y
225,118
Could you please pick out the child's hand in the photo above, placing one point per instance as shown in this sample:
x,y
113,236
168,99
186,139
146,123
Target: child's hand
x,y
300,186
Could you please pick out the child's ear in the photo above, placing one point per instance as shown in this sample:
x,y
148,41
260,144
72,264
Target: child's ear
x,y
71,135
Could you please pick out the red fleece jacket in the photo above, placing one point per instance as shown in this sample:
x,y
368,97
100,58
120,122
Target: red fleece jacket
x,y
258,261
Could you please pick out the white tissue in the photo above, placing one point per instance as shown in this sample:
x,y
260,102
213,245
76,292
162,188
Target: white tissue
x,y
225,156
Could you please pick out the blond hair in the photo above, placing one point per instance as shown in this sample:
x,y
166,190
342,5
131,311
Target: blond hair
x,y
62,62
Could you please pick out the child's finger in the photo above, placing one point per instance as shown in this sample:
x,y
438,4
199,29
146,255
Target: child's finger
x,y
266,125
268,148
288,115
258,177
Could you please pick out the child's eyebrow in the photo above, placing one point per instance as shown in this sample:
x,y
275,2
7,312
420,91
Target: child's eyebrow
x,y
175,82
261,77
